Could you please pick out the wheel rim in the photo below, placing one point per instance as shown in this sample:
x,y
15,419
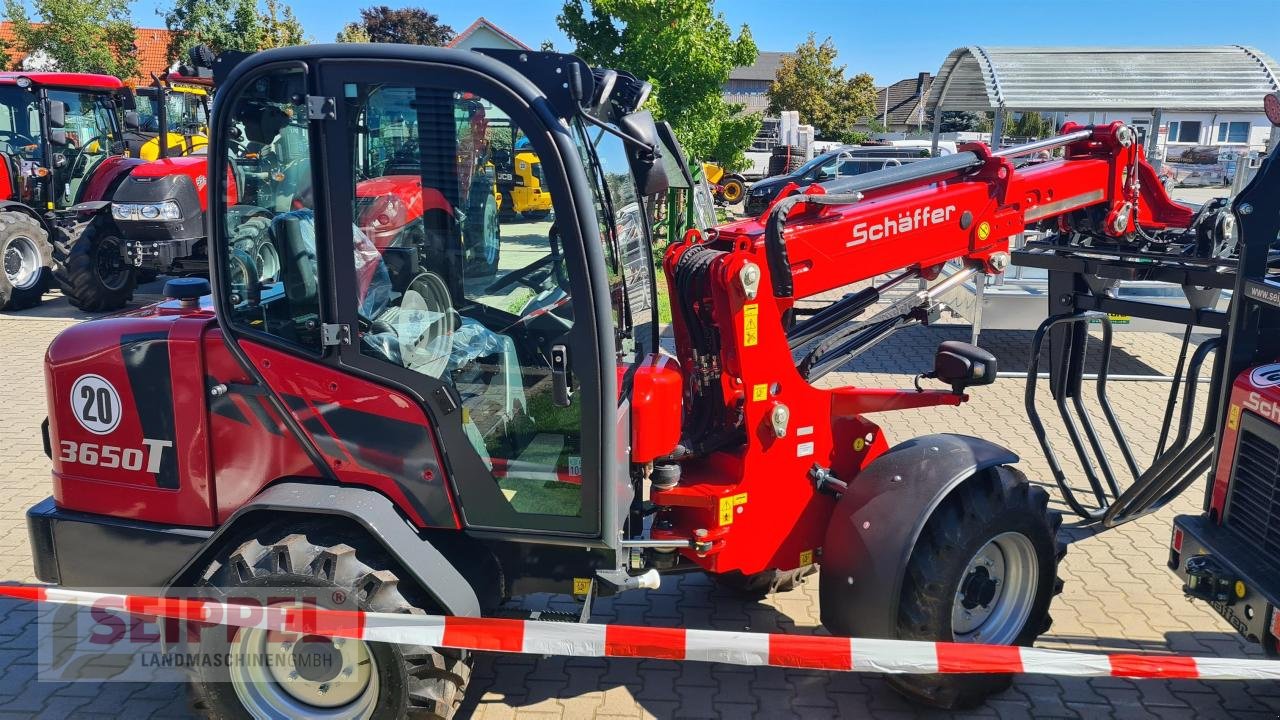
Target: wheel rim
x,y
996,591
268,262
732,192
110,264
22,263
289,675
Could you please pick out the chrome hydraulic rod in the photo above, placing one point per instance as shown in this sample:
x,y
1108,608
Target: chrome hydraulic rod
x,y
1046,144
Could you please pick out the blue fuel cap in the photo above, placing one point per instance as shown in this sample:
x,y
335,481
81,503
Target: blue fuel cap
x,y
188,288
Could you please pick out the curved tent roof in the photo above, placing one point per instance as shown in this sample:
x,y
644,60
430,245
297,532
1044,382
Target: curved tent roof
x,y
1049,79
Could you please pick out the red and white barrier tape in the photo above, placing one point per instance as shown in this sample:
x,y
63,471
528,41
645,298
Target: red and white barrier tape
x,y
590,640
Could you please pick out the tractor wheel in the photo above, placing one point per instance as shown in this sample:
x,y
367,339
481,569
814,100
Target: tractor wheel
x,y
27,254
270,674
732,189
96,275
983,570
768,582
482,236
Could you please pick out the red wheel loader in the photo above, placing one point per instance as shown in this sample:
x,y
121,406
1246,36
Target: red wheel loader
x,y
383,422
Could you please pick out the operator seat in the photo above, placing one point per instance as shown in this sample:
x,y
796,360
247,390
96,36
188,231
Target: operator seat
x,y
294,235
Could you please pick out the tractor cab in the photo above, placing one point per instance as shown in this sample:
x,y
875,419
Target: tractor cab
x,y
55,129
178,104
507,330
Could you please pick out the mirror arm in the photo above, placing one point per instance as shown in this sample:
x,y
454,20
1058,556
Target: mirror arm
x,y
629,139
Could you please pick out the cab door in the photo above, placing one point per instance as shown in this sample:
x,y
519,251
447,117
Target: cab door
x,y
486,318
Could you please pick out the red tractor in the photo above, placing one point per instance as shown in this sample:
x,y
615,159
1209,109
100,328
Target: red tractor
x,y
61,154
159,211
397,422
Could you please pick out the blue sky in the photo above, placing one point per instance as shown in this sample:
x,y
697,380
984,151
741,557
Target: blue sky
x,y
891,40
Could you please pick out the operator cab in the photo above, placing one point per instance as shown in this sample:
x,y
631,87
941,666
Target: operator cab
x,y
55,128
506,327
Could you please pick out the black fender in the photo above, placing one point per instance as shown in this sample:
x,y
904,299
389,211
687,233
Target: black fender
x,y
25,209
434,573
877,521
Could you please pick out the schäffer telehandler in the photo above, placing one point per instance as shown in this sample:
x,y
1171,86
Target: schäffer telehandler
x,y
387,428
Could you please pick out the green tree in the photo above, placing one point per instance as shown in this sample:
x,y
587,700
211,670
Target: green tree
x,y
686,50
353,33
76,35
408,26
809,82
230,25
964,121
1031,125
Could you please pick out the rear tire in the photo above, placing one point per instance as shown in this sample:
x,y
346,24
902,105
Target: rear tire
x,y
387,680
96,276
983,570
482,235
25,258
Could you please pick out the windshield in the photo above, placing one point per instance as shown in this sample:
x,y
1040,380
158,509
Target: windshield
x,y
91,119
624,230
185,110
815,163
20,134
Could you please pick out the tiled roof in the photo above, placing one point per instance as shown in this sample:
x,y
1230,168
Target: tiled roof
x,y
482,22
764,68
903,101
151,45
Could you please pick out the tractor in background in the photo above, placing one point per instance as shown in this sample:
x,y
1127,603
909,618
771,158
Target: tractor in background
x,y
62,155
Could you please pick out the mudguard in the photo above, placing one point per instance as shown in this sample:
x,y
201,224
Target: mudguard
x,y
879,518
371,510
15,206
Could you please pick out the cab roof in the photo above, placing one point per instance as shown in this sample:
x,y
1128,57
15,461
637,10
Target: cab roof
x,y
87,81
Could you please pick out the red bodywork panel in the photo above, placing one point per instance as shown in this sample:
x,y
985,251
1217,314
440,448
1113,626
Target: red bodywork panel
x,y
1256,391
760,494
181,455
89,81
195,167
8,186
107,175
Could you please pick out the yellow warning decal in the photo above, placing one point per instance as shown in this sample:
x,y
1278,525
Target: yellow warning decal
x,y
759,392
984,230
727,504
581,586
806,557
750,324
859,444
1233,417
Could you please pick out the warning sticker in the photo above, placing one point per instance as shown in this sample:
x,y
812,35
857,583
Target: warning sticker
x,y
760,392
1233,420
806,557
750,324
581,586
984,230
804,449
727,505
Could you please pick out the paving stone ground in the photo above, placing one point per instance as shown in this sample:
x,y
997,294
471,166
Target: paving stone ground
x,y
1118,594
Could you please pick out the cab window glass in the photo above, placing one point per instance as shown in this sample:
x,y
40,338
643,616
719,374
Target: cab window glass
x,y
272,271
461,277
623,230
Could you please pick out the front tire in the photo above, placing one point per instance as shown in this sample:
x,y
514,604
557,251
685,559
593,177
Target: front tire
x,y
984,570
96,275
368,680
482,235
26,255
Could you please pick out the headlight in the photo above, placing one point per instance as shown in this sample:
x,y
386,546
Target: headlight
x,y
167,210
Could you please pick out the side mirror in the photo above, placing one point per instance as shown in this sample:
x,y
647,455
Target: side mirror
x,y
132,121
962,365
646,162
57,114
58,137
